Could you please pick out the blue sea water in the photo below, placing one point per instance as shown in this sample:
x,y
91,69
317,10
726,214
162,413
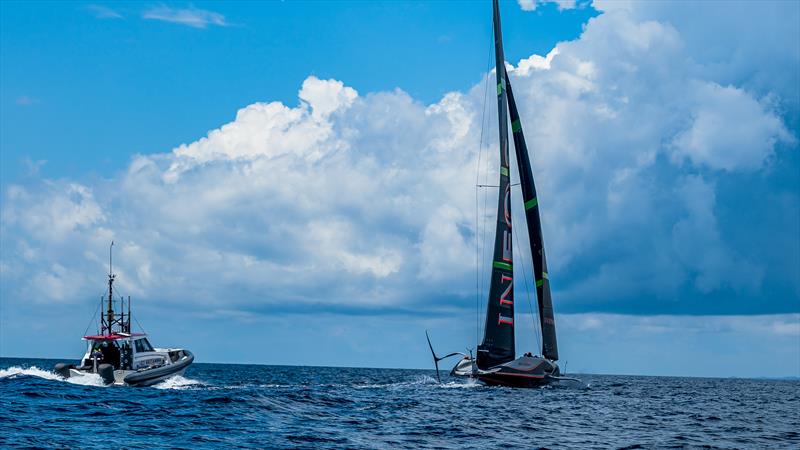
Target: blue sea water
x,y
229,405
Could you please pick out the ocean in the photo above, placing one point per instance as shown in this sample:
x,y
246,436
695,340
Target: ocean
x,y
233,405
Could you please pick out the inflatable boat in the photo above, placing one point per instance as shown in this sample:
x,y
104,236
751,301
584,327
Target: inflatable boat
x,y
122,357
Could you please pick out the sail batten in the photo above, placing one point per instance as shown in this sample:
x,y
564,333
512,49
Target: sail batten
x,y
534,225
498,340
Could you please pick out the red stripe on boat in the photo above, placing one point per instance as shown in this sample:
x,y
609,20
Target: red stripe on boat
x,y
111,337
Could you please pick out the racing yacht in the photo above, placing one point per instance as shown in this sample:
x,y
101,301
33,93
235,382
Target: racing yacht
x,y
496,362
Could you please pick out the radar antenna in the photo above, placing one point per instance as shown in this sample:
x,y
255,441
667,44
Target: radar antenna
x,y
111,276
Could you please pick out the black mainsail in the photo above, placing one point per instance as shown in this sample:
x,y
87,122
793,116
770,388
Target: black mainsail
x,y
496,363
531,202
498,339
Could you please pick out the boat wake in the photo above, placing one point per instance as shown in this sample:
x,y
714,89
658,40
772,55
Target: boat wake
x,y
33,371
468,384
178,382
423,380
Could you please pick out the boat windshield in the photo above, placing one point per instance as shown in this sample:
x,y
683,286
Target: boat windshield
x,y
143,346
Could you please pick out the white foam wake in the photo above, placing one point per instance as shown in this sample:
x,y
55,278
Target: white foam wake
x,y
15,371
178,382
421,380
91,379
467,384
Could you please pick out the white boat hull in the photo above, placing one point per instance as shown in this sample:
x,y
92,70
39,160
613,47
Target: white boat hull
x,y
142,377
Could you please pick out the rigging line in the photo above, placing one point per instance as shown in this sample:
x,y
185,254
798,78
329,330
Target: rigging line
x,y
134,319
528,291
478,266
484,295
480,250
95,314
140,325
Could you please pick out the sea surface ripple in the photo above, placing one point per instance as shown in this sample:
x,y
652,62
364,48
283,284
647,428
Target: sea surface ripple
x,y
229,405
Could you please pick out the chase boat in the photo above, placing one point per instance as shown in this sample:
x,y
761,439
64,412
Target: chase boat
x,y
122,357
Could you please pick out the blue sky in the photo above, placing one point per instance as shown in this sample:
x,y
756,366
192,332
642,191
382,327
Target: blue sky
x,y
95,77
300,176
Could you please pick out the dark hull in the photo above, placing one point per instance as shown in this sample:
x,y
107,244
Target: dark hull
x,y
523,372
514,380
150,377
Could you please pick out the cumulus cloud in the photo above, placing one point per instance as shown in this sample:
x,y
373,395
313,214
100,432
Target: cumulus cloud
x,y
711,139
272,130
355,201
52,213
535,62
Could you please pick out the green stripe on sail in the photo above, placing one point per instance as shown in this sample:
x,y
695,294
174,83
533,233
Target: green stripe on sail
x,y
531,203
539,283
504,170
516,127
501,85
502,265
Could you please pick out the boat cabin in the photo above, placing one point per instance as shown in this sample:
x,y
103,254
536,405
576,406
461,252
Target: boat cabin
x,y
124,351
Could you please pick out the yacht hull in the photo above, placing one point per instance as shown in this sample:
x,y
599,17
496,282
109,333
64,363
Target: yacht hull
x,y
523,372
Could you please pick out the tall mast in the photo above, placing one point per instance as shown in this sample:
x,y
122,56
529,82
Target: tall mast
x,y
498,340
110,314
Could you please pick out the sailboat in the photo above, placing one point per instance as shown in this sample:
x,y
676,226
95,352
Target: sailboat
x,y
496,362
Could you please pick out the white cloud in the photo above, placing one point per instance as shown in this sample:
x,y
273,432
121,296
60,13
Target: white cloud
x,y
103,12
713,139
53,213
535,62
272,130
326,96
530,5
193,17
367,199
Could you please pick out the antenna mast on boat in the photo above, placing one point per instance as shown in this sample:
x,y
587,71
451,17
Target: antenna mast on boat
x,y
110,319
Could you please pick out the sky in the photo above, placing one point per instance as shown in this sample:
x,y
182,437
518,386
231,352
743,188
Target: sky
x,y
294,182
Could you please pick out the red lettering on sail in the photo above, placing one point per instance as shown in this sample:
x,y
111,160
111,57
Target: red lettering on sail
x,y
504,320
504,298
